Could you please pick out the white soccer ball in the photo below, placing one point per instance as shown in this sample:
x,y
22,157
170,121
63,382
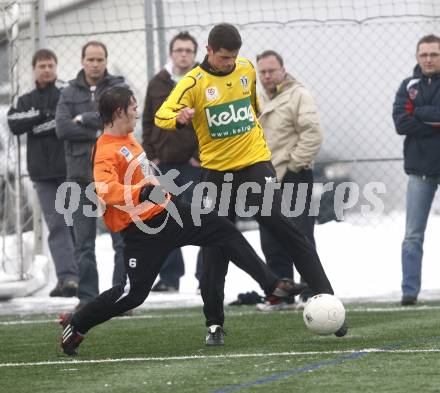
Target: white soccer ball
x,y
324,314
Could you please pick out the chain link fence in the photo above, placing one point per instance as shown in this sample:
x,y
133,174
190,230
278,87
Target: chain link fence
x,y
351,54
15,207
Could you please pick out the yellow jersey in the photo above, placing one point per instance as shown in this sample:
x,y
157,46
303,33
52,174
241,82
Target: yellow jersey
x,y
225,120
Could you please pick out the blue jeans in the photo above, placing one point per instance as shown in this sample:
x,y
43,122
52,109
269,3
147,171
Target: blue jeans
x,y
419,196
173,267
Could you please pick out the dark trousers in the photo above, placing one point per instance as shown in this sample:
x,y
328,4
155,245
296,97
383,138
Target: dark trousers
x,y
144,255
60,239
298,247
277,257
174,267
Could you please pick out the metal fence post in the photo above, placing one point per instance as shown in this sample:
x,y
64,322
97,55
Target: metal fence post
x,y
161,41
14,77
38,38
149,37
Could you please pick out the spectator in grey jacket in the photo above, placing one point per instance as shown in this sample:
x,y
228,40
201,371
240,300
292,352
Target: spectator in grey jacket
x,y
34,115
78,124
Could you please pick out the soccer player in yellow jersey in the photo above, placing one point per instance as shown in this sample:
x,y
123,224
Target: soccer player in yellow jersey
x,y
219,98
152,224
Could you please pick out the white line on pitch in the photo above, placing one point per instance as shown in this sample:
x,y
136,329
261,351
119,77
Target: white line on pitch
x,y
224,356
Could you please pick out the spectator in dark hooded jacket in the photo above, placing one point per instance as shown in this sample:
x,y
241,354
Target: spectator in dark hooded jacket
x,y
416,115
34,115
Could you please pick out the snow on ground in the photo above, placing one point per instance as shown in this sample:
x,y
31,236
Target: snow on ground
x,y
361,260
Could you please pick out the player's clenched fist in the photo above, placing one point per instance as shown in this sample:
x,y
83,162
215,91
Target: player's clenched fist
x,y
185,115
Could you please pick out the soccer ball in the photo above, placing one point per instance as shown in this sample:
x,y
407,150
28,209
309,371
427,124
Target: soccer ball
x,y
324,314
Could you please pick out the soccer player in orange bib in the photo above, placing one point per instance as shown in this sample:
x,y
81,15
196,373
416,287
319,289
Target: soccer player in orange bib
x,y
152,223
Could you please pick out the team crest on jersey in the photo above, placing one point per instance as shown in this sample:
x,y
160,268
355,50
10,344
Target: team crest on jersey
x,y
126,153
244,81
212,93
199,75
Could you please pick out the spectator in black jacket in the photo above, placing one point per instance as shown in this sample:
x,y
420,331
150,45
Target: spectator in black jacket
x,y
172,150
34,115
78,124
416,114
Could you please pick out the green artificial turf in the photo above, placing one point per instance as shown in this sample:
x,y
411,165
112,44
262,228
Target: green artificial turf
x,y
388,349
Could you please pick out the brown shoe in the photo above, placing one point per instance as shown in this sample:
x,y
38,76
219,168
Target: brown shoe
x,y
286,288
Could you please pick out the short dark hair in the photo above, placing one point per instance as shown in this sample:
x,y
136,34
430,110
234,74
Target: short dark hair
x,y
113,99
43,54
93,43
183,36
226,36
428,39
270,52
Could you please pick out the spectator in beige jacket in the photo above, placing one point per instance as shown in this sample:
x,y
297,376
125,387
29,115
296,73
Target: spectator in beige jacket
x,y
291,124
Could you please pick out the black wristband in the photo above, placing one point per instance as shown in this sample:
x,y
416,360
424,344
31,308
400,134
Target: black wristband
x,y
152,193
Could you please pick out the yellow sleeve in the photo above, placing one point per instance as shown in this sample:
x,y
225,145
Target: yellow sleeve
x,y
179,98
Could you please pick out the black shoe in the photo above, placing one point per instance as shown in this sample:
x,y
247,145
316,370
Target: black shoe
x,y
57,291
64,289
69,288
342,331
164,287
286,288
215,336
408,301
70,338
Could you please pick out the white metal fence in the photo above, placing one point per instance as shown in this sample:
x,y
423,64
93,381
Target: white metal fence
x,y
352,55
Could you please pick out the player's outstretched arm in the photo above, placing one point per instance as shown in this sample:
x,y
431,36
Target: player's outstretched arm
x,y
176,111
